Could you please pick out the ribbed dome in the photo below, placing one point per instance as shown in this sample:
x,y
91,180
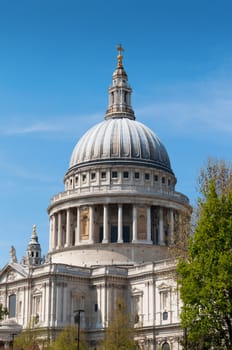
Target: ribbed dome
x,y
120,140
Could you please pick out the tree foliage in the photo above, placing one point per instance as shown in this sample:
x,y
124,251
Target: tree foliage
x,y
220,172
67,339
182,233
120,333
30,339
205,276
3,312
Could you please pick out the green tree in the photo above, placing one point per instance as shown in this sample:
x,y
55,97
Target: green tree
x,y
205,275
67,339
30,339
120,333
220,172
3,312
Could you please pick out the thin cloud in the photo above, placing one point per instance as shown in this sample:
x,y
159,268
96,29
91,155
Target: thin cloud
x,y
17,171
204,108
52,125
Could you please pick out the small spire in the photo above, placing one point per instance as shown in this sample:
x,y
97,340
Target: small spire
x,y
34,232
34,236
119,105
120,56
34,249
13,258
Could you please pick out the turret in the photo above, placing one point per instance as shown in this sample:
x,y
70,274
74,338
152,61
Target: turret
x,y
34,249
120,92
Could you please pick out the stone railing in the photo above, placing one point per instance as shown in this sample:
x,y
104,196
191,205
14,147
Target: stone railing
x,y
119,188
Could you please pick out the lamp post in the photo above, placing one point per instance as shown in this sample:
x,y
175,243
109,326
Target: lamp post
x,y
185,339
78,312
13,335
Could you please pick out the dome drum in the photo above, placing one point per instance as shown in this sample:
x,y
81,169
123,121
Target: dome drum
x,y
120,177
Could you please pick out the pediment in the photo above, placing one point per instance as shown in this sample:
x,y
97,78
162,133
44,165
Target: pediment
x,y
12,272
136,291
164,286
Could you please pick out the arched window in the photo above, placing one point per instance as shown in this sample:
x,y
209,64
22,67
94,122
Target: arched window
x,y
165,346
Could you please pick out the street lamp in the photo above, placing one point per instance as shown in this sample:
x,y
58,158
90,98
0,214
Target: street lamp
x,y
77,320
13,335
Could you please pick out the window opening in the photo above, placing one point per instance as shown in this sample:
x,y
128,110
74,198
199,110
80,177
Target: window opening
x,y
147,176
165,346
12,305
155,177
125,174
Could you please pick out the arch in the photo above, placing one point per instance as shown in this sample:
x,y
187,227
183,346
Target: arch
x,y
165,346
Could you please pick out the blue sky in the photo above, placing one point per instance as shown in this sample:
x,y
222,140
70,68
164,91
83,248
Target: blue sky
x,y
56,63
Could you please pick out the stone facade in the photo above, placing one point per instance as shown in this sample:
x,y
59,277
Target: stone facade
x,y
110,234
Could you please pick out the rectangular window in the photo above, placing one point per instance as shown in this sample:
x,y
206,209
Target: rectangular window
x,y
163,180
125,174
12,305
103,175
95,307
147,176
136,175
83,177
114,174
93,176
155,177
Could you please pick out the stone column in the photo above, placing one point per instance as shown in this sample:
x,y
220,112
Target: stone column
x,y
59,243
120,223
99,304
161,226
67,240
134,225
149,225
65,308
77,231
52,233
171,227
105,224
52,299
91,224
58,304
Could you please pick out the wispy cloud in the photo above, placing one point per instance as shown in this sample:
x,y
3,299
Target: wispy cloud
x,y
18,171
52,125
203,107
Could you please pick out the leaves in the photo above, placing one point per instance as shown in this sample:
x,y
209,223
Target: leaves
x,y
67,339
120,333
205,276
3,312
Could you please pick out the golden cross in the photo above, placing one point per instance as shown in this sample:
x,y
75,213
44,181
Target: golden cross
x,y
120,49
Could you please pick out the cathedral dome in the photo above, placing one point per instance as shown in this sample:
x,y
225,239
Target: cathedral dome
x,y
121,140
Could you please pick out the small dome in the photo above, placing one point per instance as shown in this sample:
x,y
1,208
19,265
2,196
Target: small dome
x,y
120,140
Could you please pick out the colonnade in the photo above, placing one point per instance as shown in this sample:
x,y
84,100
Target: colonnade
x,y
66,226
